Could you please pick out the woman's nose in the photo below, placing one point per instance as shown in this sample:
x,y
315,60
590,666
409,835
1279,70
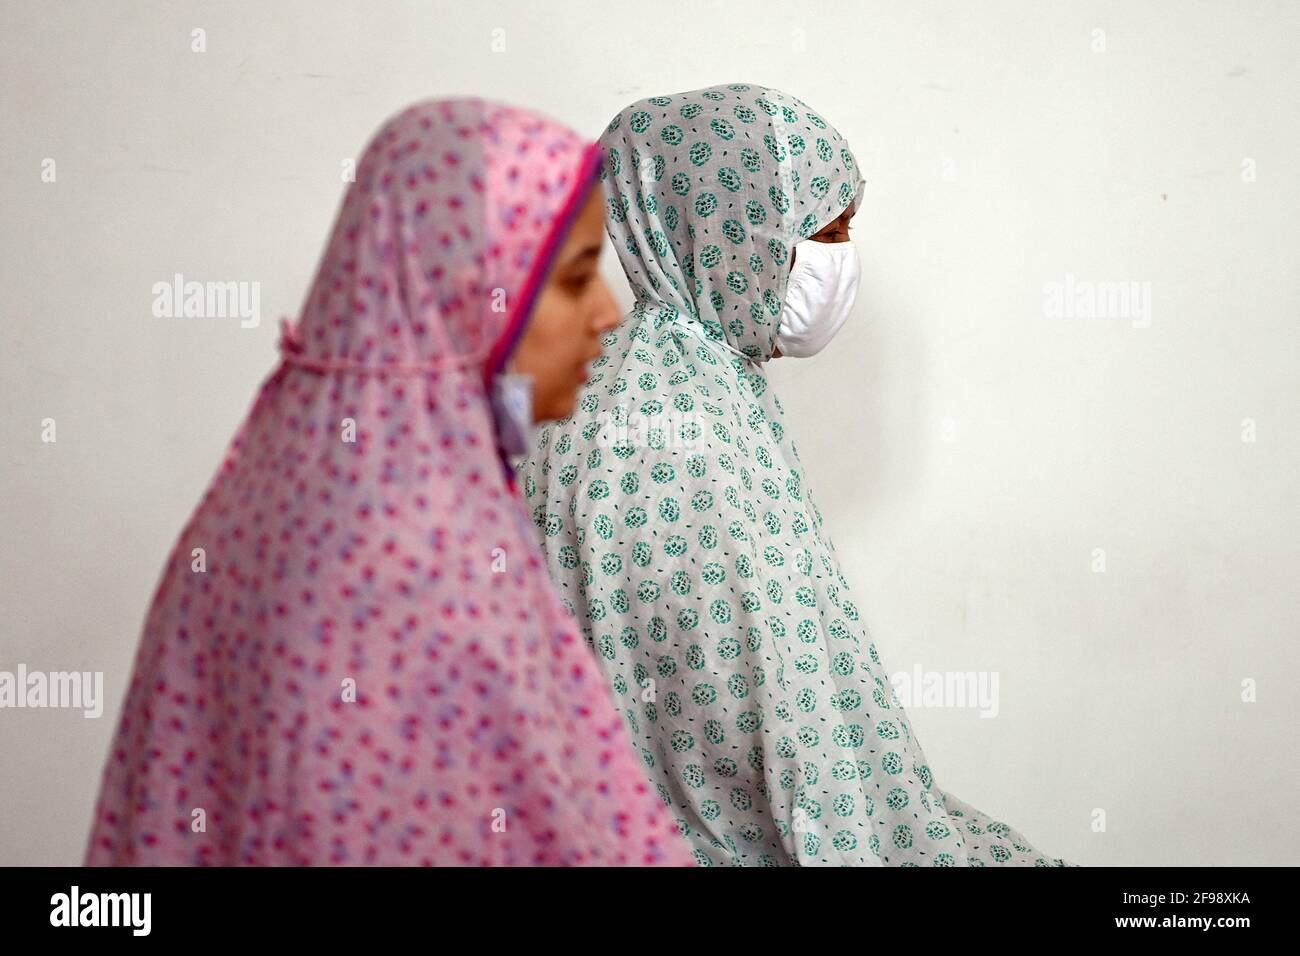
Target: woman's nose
x,y
606,315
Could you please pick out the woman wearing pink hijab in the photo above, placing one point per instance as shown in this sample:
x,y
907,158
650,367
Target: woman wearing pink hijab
x,y
354,655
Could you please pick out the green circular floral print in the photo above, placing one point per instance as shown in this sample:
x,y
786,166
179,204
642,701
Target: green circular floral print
x,y
682,534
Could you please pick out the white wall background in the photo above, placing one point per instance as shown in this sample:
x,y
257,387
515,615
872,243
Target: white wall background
x,y
969,452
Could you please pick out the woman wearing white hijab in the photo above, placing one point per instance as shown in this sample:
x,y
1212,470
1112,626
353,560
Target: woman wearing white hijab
x,y
678,525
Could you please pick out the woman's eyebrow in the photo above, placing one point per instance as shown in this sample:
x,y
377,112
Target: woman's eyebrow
x,y
580,256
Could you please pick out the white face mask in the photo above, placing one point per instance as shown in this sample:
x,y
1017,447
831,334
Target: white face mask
x,y
822,289
512,411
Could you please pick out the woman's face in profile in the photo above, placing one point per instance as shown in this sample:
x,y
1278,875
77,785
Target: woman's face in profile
x,y
837,230
573,310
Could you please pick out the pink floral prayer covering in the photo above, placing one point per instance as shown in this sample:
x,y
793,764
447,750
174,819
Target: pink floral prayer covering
x,y
366,663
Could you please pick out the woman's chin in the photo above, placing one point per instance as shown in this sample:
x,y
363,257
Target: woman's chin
x,y
555,409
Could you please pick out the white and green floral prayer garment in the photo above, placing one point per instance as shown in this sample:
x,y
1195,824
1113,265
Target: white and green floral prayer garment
x,y
682,534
